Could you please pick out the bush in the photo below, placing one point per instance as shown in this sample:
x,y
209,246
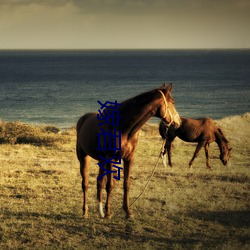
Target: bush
x,y
52,129
21,133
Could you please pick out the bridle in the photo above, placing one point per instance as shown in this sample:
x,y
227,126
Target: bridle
x,y
167,110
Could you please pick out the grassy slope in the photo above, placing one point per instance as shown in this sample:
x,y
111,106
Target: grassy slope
x,y
41,198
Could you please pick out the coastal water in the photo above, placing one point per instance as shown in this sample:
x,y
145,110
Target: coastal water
x,y
57,87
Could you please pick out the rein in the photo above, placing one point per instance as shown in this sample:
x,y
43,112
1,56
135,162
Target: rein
x,y
167,109
150,177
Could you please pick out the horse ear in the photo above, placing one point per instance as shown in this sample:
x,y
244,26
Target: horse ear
x,y
169,88
163,86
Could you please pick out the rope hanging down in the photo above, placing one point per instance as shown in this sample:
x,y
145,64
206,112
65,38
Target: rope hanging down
x,y
150,177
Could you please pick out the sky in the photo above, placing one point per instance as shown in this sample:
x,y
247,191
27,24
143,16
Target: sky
x,y
124,24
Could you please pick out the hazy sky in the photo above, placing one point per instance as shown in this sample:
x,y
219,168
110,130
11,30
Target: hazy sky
x,y
91,24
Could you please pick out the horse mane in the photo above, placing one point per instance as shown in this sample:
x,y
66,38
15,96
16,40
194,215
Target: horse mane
x,y
137,101
132,100
131,107
220,136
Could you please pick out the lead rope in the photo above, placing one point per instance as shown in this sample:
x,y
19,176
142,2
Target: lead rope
x,y
150,177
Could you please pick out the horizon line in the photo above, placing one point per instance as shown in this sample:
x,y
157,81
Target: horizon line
x,y
114,49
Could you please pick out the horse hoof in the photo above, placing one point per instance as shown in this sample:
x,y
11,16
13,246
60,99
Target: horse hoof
x,y
100,210
164,161
130,217
85,216
108,216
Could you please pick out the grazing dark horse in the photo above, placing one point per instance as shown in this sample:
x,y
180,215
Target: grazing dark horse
x,y
134,113
203,131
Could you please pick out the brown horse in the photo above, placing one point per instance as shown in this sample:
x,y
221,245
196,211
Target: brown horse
x,y
203,131
134,113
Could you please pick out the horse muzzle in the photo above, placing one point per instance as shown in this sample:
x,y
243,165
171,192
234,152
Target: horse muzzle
x,y
176,125
225,163
176,121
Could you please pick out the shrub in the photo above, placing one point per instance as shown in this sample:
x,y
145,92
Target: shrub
x,y
21,133
52,129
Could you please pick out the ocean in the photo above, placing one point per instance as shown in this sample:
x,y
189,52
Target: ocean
x,y
57,87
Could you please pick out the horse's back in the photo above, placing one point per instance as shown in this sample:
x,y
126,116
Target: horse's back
x,y
209,125
195,130
205,122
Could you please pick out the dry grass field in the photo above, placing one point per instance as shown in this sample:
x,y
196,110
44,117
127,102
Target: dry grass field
x,y
182,208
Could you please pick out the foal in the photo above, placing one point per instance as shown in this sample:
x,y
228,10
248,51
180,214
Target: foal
x,y
203,131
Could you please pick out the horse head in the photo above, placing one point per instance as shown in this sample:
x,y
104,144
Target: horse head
x,y
167,111
224,148
224,157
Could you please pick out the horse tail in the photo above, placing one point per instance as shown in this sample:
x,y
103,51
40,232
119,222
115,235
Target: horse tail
x,y
80,121
79,124
79,150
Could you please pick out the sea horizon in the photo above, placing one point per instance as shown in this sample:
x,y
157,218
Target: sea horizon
x,y
59,86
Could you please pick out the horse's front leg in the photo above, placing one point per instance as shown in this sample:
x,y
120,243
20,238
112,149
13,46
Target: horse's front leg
x,y
169,147
207,155
197,150
126,186
163,153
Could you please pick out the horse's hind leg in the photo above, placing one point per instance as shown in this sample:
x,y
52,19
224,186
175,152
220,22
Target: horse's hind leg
x,y
109,187
196,152
100,186
84,170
